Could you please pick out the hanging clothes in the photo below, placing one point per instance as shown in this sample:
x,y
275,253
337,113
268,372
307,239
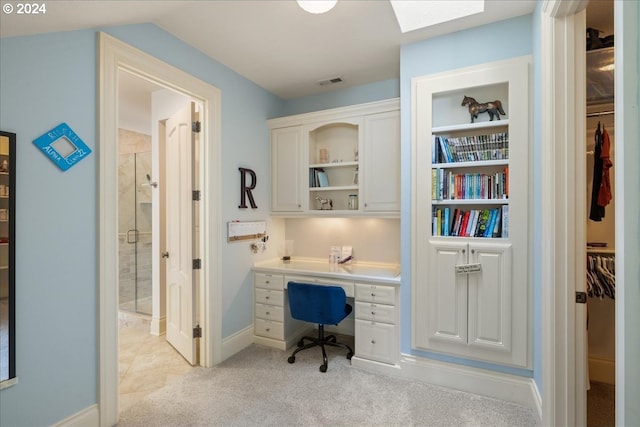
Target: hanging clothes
x,y
604,194
597,212
601,276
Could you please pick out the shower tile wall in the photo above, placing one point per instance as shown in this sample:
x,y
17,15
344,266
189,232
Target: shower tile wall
x,y
134,211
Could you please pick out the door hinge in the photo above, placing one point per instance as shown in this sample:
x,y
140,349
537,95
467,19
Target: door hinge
x,y
581,297
197,332
195,195
195,127
197,264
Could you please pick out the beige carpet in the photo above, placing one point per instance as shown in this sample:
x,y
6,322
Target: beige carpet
x,y
257,387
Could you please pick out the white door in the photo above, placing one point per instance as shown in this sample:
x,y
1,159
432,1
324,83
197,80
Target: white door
x,y
180,283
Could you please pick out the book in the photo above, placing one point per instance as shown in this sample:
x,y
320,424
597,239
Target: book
x,y
463,225
323,180
505,221
488,232
482,222
434,184
496,227
472,218
445,222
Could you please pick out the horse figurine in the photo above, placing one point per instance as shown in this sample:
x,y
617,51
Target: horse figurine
x,y
325,204
494,108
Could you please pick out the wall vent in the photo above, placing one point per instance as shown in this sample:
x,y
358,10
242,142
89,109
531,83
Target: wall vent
x,y
330,81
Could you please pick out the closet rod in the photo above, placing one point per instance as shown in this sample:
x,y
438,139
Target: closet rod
x,y
602,113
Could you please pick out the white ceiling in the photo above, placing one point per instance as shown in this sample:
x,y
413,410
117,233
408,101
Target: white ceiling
x,y
273,43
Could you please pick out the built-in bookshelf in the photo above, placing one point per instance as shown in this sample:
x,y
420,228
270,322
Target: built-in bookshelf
x,y
470,210
470,180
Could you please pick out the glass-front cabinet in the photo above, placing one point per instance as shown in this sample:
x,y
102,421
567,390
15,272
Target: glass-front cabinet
x,y
7,258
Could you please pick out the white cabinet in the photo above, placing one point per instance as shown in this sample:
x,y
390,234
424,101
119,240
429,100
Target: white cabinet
x,y
469,299
286,169
471,290
381,163
376,313
323,160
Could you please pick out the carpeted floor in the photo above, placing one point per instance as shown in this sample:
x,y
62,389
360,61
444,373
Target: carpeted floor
x,y
601,405
257,387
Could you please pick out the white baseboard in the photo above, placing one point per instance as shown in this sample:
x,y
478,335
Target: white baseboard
x,y
88,417
510,388
602,370
158,326
236,342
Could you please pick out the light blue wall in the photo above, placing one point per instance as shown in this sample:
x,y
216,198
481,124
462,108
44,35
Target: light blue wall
x,y
497,41
49,79
378,91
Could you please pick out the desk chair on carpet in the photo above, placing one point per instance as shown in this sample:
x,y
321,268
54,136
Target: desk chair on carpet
x,y
323,305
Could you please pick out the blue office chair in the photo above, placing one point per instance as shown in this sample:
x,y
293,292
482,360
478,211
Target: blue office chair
x,y
323,305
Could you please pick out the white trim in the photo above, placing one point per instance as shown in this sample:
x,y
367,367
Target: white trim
x,y
627,175
89,416
510,388
115,55
237,342
561,238
158,326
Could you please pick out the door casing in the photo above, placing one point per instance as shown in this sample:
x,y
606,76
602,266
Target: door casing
x,y
115,55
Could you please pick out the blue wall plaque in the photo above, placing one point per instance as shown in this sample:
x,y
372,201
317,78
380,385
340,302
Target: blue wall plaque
x,y
62,146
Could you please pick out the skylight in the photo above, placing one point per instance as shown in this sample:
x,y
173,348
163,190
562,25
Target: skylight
x,y
413,15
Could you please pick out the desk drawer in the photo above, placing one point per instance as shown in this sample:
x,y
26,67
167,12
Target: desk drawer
x,y
269,281
376,312
376,293
269,296
269,329
269,312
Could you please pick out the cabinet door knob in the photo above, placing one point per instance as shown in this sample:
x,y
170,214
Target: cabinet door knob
x,y
268,313
373,313
267,297
267,282
373,341
268,329
372,294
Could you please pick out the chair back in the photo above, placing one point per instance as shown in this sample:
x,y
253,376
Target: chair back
x,y
324,305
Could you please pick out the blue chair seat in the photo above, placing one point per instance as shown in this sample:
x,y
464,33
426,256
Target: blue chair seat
x,y
322,305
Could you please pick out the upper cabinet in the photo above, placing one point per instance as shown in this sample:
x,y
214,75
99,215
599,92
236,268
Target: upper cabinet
x,y
470,175
343,161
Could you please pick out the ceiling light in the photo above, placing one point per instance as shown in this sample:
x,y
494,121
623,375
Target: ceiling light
x,y
412,15
317,6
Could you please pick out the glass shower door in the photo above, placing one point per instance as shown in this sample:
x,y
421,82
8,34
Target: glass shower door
x,y
134,234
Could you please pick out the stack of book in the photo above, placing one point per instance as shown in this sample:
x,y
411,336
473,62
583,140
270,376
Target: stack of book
x,y
448,185
318,178
472,223
493,146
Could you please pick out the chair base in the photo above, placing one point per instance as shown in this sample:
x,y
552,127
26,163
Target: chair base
x,y
320,341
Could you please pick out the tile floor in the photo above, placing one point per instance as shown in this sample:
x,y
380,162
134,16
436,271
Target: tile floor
x,y
146,362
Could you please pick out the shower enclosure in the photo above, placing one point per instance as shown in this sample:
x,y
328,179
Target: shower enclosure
x,y
134,232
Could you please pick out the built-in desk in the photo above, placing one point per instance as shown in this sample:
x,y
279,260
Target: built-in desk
x,y
373,287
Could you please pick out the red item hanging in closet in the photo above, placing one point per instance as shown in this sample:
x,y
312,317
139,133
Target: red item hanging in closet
x,y
604,195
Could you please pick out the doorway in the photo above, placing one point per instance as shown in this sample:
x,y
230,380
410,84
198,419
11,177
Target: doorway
x,y
116,56
146,358
601,226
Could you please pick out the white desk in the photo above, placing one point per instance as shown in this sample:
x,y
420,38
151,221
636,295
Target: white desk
x,y
374,288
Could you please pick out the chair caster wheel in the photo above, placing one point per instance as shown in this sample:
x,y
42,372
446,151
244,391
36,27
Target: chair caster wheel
x,y
323,368
349,356
291,359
